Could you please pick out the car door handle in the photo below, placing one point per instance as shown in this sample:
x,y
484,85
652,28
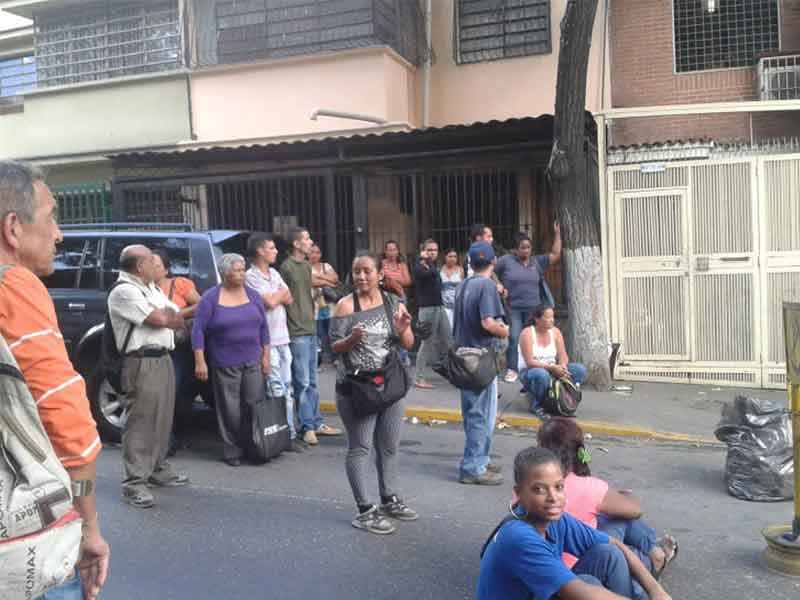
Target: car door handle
x,y
76,306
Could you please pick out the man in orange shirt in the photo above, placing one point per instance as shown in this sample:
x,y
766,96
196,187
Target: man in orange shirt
x,y
28,238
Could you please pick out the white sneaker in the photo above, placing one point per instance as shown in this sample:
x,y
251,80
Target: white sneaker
x,y
511,376
310,438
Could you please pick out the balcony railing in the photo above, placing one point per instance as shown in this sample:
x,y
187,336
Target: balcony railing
x,y
779,77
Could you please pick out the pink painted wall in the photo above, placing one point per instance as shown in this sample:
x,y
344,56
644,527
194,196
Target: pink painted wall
x,y
276,98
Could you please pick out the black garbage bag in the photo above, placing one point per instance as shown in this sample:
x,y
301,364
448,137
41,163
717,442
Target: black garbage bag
x,y
759,465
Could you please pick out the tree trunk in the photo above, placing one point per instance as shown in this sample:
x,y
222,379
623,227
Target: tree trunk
x,y
587,337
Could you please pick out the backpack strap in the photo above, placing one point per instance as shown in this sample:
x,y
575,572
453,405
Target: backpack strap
x,y
130,329
171,289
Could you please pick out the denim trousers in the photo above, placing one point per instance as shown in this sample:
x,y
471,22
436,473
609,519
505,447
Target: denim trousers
x,y
71,590
279,381
324,339
518,319
432,349
634,533
479,410
537,381
607,564
304,381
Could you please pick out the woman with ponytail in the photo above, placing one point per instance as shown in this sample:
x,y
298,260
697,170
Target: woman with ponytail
x,y
594,502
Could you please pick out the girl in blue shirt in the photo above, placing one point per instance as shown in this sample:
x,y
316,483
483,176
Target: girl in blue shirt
x,y
522,558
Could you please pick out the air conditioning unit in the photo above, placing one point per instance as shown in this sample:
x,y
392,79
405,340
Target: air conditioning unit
x,y
779,77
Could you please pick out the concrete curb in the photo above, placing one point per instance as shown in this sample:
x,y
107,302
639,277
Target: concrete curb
x,y
426,414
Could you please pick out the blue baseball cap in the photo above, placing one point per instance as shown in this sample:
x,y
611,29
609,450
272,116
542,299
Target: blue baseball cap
x,y
481,254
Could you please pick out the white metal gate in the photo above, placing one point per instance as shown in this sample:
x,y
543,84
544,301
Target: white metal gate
x,y
702,254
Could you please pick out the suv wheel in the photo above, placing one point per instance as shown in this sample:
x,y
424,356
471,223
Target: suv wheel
x,y
109,408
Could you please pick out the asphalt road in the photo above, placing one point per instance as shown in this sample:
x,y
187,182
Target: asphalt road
x,y
282,530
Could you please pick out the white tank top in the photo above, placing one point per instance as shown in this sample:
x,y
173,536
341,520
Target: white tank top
x,y
546,354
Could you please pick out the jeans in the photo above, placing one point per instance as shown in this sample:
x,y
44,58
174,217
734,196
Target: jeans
x,y
537,382
432,349
634,533
607,563
279,381
323,336
71,590
518,320
304,381
479,410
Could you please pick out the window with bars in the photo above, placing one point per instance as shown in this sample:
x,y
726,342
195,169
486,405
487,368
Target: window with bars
x,y
106,40
495,29
17,75
723,34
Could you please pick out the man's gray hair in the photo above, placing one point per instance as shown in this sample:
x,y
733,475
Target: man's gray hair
x,y
227,261
16,189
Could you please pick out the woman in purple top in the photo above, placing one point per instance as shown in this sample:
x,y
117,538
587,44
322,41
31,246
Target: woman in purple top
x,y
230,331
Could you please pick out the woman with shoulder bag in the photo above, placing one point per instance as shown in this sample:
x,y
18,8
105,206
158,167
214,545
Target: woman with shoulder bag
x,y
367,330
182,292
543,356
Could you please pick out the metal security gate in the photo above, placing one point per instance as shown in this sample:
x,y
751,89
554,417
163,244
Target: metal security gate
x,y
702,254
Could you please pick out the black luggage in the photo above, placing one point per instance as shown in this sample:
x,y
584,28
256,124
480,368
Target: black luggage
x,y
269,430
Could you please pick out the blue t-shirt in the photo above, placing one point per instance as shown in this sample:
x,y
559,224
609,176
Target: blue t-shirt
x,y
476,299
519,562
522,282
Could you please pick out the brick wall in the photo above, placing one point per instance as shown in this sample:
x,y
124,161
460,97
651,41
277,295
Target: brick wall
x,y
643,74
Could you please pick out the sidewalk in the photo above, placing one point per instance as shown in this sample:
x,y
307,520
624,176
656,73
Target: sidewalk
x,y
669,412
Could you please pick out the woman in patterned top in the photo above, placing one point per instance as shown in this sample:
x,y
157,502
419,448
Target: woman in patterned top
x,y
366,338
452,275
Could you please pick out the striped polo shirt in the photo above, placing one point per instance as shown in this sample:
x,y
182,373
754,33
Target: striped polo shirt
x,y
29,325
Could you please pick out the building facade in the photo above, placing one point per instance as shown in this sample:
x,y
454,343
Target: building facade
x,y
700,192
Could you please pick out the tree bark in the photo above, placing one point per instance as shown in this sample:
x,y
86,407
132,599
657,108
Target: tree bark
x,y
587,336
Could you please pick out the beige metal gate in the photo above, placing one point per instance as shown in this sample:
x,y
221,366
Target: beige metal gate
x,y
701,256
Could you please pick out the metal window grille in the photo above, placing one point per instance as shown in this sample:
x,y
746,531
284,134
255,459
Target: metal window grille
x,y
495,29
106,40
17,75
723,35
85,203
779,77
249,29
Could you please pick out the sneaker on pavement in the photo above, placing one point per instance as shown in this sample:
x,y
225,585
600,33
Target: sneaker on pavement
x,y
167,477
137,496
493,468
511,376
297,446
310,438
397,509
328,430
373,522
486,478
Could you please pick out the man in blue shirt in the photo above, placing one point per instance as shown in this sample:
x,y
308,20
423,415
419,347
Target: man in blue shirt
x,y
477,323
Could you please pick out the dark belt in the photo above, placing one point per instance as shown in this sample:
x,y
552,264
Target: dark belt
x,y
149,352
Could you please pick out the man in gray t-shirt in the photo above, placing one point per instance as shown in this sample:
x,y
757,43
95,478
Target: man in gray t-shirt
x,y
269,284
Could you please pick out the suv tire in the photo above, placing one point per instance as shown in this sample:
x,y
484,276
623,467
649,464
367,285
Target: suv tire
x,y
108,407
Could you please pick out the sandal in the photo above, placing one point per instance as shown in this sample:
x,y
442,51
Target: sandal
x,y
669,546
424,385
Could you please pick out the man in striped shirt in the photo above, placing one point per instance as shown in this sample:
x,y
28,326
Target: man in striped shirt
x,y
28,237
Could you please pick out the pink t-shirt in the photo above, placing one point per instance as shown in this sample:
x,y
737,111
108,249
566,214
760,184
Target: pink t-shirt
x,y
584,497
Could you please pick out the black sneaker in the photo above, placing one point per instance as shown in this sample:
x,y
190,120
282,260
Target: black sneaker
x,y
297,446
396,509
373,522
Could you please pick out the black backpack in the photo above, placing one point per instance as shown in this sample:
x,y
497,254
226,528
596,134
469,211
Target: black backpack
x,y
110,356
562,398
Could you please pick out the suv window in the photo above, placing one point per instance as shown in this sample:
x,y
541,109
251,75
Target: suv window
x,y
67,263
177,249
90,267
203,264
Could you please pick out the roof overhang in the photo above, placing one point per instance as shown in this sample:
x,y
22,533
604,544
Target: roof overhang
x,y
522,133
26,8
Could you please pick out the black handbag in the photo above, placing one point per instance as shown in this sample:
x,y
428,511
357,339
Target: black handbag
x,y
469,368
332,294
372,392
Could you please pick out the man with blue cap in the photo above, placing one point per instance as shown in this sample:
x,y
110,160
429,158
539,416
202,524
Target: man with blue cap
x,y
478,323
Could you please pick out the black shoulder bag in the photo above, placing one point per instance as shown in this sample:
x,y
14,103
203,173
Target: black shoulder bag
x,y
372,392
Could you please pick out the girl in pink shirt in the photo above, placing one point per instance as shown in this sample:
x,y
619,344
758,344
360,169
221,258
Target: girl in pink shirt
x,y
595,503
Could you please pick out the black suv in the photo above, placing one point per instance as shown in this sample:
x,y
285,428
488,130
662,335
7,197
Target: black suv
x,y
87,264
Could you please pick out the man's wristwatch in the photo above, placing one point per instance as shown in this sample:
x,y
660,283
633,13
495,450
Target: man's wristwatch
x,y
82,487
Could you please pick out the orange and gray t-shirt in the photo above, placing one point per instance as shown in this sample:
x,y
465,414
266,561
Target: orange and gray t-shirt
x,y
29,325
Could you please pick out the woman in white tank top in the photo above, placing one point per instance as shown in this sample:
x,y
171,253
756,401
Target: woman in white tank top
x,y
543,355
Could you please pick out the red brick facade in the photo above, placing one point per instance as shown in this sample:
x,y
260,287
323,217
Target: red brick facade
x,y
643,74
